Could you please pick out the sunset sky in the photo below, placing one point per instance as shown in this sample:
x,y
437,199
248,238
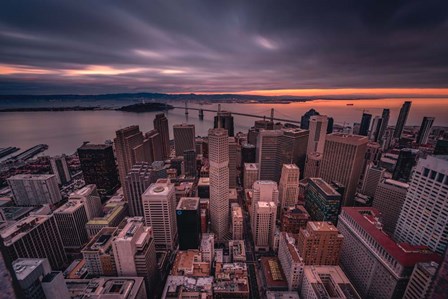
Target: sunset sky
x,y
303,48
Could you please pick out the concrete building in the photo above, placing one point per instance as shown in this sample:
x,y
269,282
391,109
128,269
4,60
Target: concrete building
x,y
384,124
250,174
288,187
292,263
318,131
125,142
423,219
183,287
419,284
312,165
365,124
161,125
294,218
305,119
322,201
401,121
98,253
234,149
111,287
184,138
425,130
218,143
155,146
292,148
208,247
237,223
320,243
231,281
376,127
267,155
224,119
282,295
60,169
237,251
389,199
71,219
377,266
159,207
342,160
326,282
89,196
264,225
34,189
138,179
263,191
248,153
115,212
372,178
188,219
440,281
190,165
406,161
135,252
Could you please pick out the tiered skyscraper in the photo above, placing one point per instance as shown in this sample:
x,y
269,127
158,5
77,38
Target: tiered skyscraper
x,y
161,125
401,121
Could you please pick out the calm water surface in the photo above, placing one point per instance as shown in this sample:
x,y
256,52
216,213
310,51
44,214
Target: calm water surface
x,y
65,131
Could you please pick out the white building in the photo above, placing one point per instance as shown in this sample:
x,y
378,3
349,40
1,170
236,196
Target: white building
x,y
312,165
91,199
263,191
34,189
208,247
71,219
318,132
372,178
60,169
422,277
292,263
237,223
264,225
288,187
159,207
250,175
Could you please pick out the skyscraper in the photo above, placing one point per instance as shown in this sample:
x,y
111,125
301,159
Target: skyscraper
x,y
71,219
384,124
233,153
365,124
159,208
250,175
98,253
226,120
342,161
330,125
125,142
155,146
218,142
264,191
184,138
161,125
292,148
318,132
190,165
91,199
372,178
264,225
98,166
267,155
305,119
188,219
376,128
60,169
248,153
291,261
237,223
34,189
322,201
312,165
425,130
423,219
137,181
288,187
407,159
401,121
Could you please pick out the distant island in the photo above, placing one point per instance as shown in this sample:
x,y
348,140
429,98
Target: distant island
x,y
145,107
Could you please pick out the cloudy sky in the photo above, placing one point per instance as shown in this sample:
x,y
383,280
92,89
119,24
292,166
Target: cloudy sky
x,y
265,47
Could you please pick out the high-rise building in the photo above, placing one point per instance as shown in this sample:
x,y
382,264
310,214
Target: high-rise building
x,y
407,159
441,147
420,282
365,124
423,219
318,131
312,165
377,266
35,236
91,199
376,128
267,155
139,178
190,165
98,166
188,219
372,178
288,187
248,153
401,121
161,125
71,219
234,148
208,247
237,223
264,191
305,119
342,160
135,252
155,146
159,208
388,199
250,175
326,282
425,130
320,243
440,281
294,218
218,142
292,148
98,253
114,213
60,169
125,142
184,138
34,189
384,124
226,120
322,201
291,261
264,225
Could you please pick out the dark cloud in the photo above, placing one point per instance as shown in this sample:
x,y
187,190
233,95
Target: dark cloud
x,y
190,46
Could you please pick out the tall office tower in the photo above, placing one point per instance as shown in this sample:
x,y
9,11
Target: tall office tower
x,y
98,253
305,119
155,147
440,281
291,261
188,219
184,138
159,208
135,252
263,191
233,152
376,128
356,127
292,148
190,165
252,135
419,284
250,175
60,169
320,243
365,124
342,161
218,142
441,147
137,181
388,199
322,201
288,187
407,159
267,155
384,124
35,236
423,219
312,165
226,120
161,125
330,125
326,282
425,130
91,199
318,132
401,121
264,225
248,153
293,219
126,141
98,166
237,223
372,178
34,189
264,124
71,219
376,265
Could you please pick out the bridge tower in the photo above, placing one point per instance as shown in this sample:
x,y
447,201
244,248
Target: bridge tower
x,y
201,114
186,107
272,115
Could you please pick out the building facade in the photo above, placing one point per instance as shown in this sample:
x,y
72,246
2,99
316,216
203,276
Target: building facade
x,y
34,189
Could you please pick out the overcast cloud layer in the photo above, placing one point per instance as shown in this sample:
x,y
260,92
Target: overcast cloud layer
x,y
221,46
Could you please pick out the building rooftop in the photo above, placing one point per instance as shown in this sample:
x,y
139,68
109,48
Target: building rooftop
x,y
237,212
290,166
189,284
282,295
273,273
188,203
15,213
251,166
161,188
396,183
322,226
114,287
91,146
190,263
69,207
348,139
84,191
110,215
204,181
102,240
25,266
130,229
324,186
14,232
34,177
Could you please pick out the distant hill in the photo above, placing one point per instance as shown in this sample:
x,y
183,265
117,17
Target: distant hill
x,y
146,107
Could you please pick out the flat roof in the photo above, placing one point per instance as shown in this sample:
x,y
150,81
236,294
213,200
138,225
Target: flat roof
x,y
12,233
34,177
251,166
101,240
84,191
322,226
325,187
94,146
160,188
69,207
396,183
24,266
188,203
347,138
